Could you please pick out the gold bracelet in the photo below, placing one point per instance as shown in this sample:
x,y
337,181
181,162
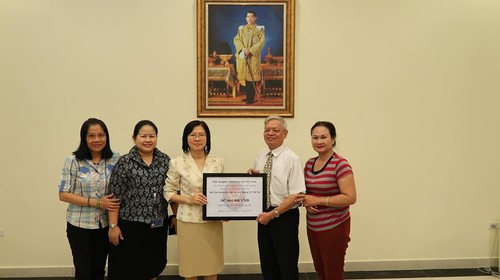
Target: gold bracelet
x,y
327,199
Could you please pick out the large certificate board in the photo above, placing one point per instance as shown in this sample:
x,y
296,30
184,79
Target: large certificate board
x,y
234,196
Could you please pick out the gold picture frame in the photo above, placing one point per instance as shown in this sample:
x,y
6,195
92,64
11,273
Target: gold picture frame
x,y
224,84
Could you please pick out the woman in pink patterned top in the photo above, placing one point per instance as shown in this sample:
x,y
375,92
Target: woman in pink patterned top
x,y
330,191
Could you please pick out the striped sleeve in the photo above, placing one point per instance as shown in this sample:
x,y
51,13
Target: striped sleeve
x,y
342,168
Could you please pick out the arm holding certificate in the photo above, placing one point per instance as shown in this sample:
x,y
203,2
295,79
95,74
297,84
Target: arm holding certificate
x,y
184,185
288,203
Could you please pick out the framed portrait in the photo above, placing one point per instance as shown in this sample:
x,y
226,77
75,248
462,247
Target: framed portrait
x,y
245,58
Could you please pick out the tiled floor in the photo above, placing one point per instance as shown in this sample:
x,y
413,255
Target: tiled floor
x,y
258,277
440,274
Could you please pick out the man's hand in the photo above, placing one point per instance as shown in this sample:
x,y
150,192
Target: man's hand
x,y
246,52
253,171
265,217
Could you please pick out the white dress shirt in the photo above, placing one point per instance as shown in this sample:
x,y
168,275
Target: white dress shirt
x,y
287,173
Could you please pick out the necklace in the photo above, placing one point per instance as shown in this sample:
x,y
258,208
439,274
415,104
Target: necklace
x,y
320,164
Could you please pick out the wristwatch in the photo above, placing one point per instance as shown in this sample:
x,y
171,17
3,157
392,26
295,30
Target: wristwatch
x,y
112,225
276,214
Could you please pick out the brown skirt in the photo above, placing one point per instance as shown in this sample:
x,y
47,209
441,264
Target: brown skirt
x,y
201,248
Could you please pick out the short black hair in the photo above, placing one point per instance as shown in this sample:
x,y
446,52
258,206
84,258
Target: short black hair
x,y
189,128
330,127
142,123
252,12
83,151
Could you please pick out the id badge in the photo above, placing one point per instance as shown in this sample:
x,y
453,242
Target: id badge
x,y
156,222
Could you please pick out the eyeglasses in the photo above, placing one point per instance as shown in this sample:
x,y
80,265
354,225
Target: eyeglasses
x,y
98,136
200,136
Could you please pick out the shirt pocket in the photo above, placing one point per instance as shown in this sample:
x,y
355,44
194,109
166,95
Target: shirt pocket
x,y
280,183
83,174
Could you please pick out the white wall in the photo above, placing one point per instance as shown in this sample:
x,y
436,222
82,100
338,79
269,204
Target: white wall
x,y
412,86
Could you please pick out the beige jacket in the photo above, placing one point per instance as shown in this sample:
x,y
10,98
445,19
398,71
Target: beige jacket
x,y
185,178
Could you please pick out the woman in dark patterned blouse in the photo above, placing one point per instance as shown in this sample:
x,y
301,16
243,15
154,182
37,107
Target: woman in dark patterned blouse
x,y
138,230
330,191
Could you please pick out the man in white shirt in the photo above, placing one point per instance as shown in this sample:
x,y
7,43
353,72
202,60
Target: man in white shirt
x,y
278,226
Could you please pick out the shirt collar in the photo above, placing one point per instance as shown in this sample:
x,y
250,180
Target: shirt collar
x,y
137,157
276,152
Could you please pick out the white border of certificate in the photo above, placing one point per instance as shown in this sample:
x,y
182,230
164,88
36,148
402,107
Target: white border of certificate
x,y
234,196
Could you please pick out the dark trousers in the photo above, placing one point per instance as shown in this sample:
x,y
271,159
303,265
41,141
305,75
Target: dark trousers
x,y
141,255
250,92
279,247
328,250
90,250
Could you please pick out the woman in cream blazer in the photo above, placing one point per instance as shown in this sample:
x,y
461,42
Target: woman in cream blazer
x,y
200,243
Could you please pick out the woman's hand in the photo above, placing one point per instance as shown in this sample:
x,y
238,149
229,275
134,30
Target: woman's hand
x,y
312,210
109,203
198,199
115,235
299,199
308,200
173,223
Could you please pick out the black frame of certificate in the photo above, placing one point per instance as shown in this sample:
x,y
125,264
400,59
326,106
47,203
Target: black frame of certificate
x,y
230,201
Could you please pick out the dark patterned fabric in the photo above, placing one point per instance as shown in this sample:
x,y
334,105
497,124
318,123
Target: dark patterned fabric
x,y
140,187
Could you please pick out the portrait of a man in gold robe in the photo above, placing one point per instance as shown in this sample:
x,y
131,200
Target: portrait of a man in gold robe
x,y
248,69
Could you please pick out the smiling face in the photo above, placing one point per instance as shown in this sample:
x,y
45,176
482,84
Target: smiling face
x,y
146,140
274,134
197,139
96,139
321,140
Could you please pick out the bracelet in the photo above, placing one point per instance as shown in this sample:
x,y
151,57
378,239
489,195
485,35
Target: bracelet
x,y
99,203
88,202
327,199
